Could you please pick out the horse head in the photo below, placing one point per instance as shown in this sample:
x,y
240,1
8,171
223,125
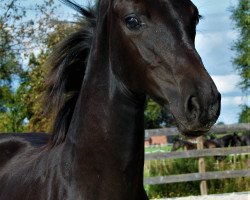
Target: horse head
x,y
236,140
156,41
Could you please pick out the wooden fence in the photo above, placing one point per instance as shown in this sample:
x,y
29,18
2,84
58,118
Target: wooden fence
x,y
202,175
218,129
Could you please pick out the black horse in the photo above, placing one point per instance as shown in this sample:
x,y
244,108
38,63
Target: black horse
x,y
180,143
230,140
183,144
98,84
243,140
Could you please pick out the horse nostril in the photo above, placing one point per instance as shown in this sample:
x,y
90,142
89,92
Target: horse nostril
x,y
192,108
214,110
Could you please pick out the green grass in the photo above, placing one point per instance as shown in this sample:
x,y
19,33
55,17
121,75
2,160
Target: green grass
x,y
158,149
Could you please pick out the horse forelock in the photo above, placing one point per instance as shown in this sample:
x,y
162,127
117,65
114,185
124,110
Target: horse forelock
x,y
67,69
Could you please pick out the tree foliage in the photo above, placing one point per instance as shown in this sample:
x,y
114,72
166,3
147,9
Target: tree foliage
x,y
241,17
12,119
25,30
245,114
27,23
19,35
157,116
38,71
9,65
11,112
34,87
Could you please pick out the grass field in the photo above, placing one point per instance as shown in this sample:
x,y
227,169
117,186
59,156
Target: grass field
x,y
157,149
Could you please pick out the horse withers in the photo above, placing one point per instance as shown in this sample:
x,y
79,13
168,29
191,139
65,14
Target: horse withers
x,y
35,139
100,76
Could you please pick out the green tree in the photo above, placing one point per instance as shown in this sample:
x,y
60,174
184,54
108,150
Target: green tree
x,y
157,116
241,17
11,113
18,37
13,118
34,87
38,71
245,114
9,66
152,115
26,32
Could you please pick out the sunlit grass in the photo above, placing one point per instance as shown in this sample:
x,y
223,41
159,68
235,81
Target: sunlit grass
x,y
156,149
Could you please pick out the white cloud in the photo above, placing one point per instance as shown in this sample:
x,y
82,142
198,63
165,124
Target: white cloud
x,y
206,42
227,83
212,41
235,101
230,108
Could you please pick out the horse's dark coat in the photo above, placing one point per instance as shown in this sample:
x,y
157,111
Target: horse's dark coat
x,y
179,143
34,139
225,141
243,140
99,79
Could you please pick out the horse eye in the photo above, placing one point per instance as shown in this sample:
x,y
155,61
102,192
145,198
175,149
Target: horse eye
x,y
132,22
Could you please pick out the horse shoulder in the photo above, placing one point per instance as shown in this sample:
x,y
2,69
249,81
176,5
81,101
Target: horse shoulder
x,y
9,148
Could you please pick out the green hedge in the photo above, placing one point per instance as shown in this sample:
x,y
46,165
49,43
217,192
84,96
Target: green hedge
x,y
184,166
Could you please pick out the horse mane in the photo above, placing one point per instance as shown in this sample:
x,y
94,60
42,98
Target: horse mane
x,y
67,69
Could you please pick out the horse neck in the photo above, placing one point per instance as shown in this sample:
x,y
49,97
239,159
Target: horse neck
x,y
107,133
105,115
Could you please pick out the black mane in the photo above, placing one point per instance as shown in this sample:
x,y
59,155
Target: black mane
x,y
68,63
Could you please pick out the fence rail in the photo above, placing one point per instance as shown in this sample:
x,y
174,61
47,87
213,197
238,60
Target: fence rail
x,y
218,129
196,177
200,154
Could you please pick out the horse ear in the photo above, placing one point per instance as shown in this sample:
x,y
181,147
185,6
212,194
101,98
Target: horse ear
x,y
85,12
